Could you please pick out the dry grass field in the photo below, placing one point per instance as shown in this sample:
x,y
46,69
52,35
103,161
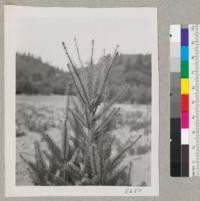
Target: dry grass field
x,y
46,113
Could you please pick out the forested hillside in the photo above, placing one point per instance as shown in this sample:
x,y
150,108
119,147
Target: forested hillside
x,y
36,77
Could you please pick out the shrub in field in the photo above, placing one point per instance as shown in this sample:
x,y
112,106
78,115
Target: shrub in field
x,y
85,157
34,119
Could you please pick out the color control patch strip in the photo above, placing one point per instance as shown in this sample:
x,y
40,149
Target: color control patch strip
x,y
184,100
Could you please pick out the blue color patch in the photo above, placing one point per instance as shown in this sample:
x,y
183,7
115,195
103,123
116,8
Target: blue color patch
x,y
184,53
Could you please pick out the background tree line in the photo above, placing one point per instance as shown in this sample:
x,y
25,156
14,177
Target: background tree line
x,y
33,76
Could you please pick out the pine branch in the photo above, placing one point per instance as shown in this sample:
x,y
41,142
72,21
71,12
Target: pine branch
x,y
123,151
38,156
74,170
78,118
87,116
30,164
118,162
97,81
75,155
92,160
98,162
129,175
65,141
108,147
107,120
105,171
76,86
35,178
90,73
83,72
77,108
59,181
92,53
55,150
76,73
53,163
110,104
115,176
107,74
78,53
78,130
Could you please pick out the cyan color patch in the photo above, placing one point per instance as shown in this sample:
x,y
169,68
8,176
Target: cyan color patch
x,y
184,53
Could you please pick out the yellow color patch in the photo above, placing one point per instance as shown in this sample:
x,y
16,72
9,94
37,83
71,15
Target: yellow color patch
x,y
184,86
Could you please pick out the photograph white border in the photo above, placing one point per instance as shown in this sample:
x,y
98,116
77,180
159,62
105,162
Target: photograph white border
x,y
11,190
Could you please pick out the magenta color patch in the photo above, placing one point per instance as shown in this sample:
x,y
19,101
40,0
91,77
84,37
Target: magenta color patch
x,y
184,119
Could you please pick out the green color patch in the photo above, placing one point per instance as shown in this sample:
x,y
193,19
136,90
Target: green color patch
x,y
184,69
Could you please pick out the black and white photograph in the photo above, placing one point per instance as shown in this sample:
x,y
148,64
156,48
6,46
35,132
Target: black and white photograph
x,y
81,101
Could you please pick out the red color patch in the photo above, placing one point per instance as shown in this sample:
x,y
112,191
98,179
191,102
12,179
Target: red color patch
x,y
185,103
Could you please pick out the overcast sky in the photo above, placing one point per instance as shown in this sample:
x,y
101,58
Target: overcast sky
x,y
42,36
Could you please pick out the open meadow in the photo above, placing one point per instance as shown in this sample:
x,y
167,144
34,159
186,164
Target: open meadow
x,y
39,112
